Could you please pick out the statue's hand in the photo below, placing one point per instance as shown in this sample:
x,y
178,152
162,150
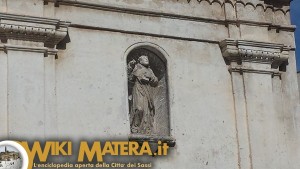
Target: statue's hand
x,y
130,66
153,81
145,79
131,63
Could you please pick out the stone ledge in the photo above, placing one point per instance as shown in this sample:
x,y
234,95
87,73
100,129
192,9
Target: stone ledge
x,y
153,139
46,51
289,28
30,19
243,69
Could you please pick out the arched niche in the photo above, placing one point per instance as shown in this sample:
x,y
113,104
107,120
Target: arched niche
x,y
148,100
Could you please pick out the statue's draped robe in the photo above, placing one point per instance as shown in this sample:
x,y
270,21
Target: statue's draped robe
x,y
143,109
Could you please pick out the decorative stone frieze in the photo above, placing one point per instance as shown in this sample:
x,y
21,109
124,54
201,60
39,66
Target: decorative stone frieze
x,y
35,29
240,51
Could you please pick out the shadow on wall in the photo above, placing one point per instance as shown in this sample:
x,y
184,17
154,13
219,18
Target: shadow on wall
x,y
277,3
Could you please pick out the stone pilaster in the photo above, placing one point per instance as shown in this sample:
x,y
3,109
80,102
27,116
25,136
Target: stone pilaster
x,y
3,95
29,45
256,68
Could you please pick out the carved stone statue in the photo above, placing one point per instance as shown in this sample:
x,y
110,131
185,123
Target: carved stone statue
x,y
143,109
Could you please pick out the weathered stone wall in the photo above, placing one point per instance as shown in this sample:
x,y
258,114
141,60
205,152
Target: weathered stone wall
x,y
225,111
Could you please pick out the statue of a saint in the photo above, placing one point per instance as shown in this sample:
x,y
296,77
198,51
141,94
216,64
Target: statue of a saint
x,y
143,108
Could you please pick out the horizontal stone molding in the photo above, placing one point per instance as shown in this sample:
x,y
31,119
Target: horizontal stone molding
x,y
35,29
144,33
152,13
243,69
289,28
31,19
252,51
46,51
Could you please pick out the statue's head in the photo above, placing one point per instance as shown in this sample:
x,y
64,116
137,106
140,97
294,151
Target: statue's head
x,y
144,60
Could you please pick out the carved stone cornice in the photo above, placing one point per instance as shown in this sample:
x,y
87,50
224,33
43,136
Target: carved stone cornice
x,y
35,29
240,51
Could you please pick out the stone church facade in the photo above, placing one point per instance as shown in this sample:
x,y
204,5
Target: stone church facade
x,y
226,93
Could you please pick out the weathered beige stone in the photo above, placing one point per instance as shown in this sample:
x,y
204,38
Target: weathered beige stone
x,y
3,6
51,127
25,78
233,103
30,7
